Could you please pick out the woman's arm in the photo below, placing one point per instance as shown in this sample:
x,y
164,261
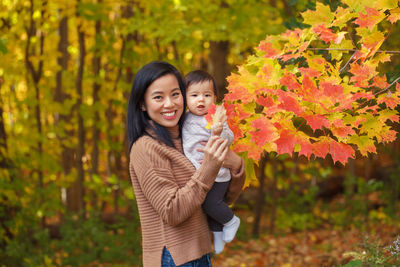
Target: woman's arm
x,y
173,203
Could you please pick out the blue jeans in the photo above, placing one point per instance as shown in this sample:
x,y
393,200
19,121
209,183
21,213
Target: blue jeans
x,y
167,261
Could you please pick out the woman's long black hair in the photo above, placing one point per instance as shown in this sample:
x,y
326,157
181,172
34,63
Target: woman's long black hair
x,y
137,119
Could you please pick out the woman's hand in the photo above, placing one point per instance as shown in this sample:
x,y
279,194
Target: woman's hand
x,y
232,161
215,151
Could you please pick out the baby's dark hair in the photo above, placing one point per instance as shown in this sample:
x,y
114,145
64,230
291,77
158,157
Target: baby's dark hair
x,y
198,76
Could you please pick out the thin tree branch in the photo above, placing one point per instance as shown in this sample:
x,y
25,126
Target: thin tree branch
x,y
351,50
363,105
387,88
347,63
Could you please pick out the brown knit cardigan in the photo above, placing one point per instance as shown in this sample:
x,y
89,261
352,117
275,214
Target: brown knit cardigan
x,y
169,193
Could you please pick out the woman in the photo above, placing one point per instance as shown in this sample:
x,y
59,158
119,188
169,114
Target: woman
x,y
169,190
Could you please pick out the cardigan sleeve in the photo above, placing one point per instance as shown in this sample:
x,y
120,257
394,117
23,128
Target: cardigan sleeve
x,y
172,202
236,184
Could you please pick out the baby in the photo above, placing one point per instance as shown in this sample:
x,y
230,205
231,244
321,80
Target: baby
x,y
201,93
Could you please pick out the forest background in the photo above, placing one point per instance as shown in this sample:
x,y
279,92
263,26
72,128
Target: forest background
x,y
66,71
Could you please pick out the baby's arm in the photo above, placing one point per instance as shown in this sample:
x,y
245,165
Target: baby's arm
x,y
227,133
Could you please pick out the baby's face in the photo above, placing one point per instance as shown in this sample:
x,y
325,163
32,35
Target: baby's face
x,y
199,97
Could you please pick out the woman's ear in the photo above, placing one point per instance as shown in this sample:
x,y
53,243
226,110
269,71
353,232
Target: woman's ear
x,y
142,107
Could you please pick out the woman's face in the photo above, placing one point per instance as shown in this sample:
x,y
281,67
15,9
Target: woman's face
x,y
163,101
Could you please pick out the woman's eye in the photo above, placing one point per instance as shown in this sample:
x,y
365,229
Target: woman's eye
x,y
176,94
158,97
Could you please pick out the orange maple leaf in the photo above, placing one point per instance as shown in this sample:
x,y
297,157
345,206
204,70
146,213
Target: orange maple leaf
x,y
289,103
340,151
264,132
286,142
309,72
210,113
380,82
321,148
341,130
290,81
267,47
390,101
370,19
306,148
254,151
325,33
362,74
316,121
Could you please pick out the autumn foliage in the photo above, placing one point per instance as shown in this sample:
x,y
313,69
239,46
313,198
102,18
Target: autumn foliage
x,y
317,91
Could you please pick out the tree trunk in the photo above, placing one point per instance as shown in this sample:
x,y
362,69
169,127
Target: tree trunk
x,y
75,194
218,65
36,75
95,131
7,208
274,196
67,153
260,198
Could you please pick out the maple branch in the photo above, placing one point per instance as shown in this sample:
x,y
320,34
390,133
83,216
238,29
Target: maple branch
x,y
351,50
387,88
362,105
347,63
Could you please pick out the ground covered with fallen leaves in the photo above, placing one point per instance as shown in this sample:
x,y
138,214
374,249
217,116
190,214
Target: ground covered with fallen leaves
x,y
320,247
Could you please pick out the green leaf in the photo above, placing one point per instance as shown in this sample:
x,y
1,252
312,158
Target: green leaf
x,y
386,4
358,5
3,46
322,15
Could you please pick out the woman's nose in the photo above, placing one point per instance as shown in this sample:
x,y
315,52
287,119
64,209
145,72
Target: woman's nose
x,y
168,102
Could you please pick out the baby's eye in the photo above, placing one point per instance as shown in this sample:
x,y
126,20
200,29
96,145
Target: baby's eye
x,y
194,95
208,95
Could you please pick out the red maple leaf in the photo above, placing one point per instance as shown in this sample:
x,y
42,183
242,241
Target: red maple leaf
x,y
238,92
254,151
211,111
390,101
341,130
265,131
380,82
331,89
317,121
286,142
241,113
270,52
265,101
325,33
236,130
321,148
362,74
370,19
309,72
289,103
340,152
306,146
310,90
296,33
389,136
290,81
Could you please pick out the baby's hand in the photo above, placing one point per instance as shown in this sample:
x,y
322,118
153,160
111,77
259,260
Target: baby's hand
x,y
216,128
